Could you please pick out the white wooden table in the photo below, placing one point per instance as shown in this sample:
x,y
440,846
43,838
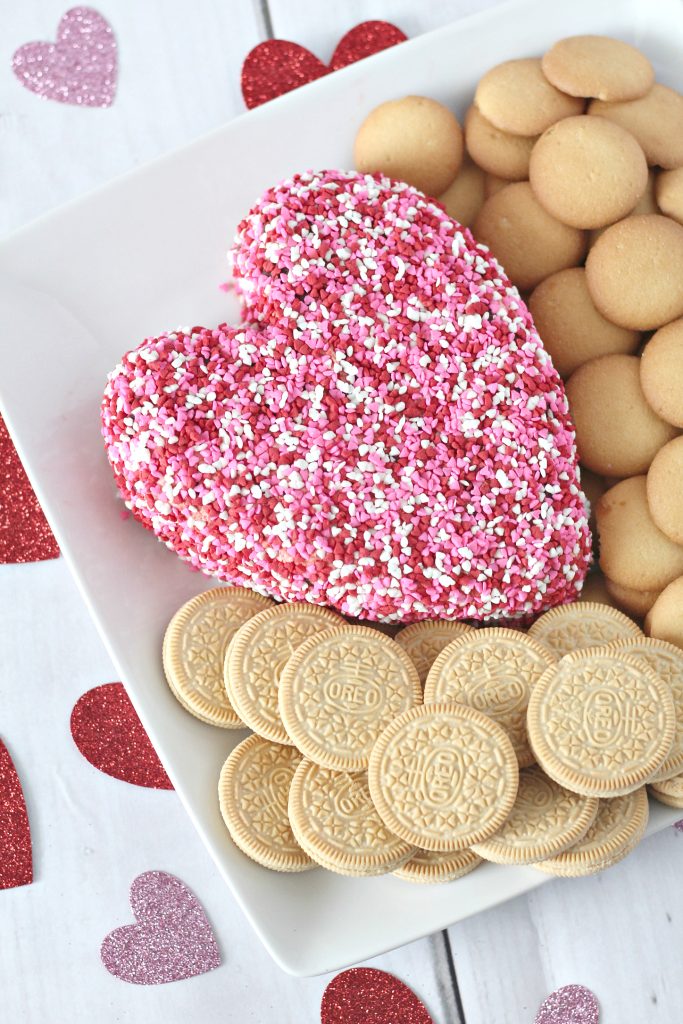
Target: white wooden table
x,y
620,933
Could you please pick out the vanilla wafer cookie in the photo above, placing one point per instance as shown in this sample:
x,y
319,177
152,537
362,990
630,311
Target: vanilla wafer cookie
x,y
545,820
334,820
668,791
427,867
338,691
493,670
194,647
666,661
257,655
618,828
571,627
601,722
253,792
443,776
424,641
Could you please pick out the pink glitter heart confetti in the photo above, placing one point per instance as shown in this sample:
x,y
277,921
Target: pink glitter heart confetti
x,y
172,938
80,68
572,1004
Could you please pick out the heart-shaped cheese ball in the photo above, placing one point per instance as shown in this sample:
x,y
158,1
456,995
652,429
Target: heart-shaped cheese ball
x,y
386,436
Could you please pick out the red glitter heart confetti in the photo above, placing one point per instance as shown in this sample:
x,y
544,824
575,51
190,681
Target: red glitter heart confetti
x,y
572,1004
278,65
172,938
79,68
365,995
107,731
24,532
16,862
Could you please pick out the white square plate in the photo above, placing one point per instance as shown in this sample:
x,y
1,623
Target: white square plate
x,y
146,253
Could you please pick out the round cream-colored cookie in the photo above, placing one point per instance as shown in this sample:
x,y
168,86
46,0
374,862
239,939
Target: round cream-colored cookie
x,y
633,550
253,792
443,776
598,66
517,97
257,654
335,822
669,193
665,489
529,243
634,272
661,372
665,618
194,649
545,820
595,590
633,602
424,641
666,661
465,197
669,791
427,867
495,151
340,689
493,670
587,172
617,432
646,204
571,328
656,121
600,722
618,828
414,139
493,184
574,627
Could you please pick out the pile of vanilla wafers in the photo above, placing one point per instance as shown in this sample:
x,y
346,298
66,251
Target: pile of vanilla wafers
x,y
425,753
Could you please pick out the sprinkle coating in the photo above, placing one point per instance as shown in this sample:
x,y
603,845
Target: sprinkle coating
x,y
385,434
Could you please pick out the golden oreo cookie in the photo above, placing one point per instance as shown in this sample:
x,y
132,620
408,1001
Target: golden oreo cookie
x,y
194,649
334,820
545,820
253,792
493,670
572,627
340,689
666,661
427,867
257,655
668,791
424,641
618,828
601,723
443,776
